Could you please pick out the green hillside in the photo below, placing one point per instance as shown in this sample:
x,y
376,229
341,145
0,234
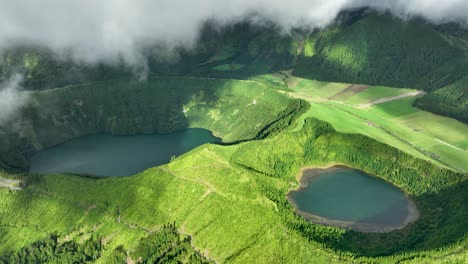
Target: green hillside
x,y
382,50
280,103
234,110
387,115
232,201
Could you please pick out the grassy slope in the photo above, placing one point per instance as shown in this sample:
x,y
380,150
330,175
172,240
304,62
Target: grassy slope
x,y
222,205
201,101
373,94
216,219
426,131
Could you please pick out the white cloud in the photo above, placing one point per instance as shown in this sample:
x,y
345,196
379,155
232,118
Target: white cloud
x,y
11,98
109,30
106,30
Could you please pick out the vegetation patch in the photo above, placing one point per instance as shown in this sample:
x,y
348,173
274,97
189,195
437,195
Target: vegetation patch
x,y
232,110
166,245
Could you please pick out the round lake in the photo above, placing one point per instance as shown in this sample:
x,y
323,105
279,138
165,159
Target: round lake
x,y
349,198
107,155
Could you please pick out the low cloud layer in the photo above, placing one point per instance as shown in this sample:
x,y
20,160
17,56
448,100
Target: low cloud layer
x,y
107,30
11,98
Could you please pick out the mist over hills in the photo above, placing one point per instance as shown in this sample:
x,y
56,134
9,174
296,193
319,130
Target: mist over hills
x,y
361,46
107,31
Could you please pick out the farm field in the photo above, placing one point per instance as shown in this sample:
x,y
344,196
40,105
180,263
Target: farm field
x,y
395,122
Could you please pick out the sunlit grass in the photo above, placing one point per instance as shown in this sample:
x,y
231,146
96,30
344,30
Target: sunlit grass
x,y
426,131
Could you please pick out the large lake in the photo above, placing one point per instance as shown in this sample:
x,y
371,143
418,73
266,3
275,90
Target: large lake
x,y
107,155
350,198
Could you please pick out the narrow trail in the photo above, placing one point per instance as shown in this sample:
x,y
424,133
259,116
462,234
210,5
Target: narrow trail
x,y
10,184
210,187
448,144
389,99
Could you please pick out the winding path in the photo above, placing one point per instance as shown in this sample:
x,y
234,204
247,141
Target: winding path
x,y
388,99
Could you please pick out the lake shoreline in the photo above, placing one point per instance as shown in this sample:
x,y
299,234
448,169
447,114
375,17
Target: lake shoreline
x,y
304,180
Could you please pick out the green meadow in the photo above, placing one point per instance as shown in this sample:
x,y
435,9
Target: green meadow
x,y
397,122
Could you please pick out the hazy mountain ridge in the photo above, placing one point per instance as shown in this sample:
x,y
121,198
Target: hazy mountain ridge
x,y
361,48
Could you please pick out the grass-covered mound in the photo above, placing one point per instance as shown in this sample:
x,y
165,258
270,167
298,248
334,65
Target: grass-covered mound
x,y
233,110
232,201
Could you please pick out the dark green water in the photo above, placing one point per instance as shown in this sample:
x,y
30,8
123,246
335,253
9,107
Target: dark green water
x,y
353,197
108,155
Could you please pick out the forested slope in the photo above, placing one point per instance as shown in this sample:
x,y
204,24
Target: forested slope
x,y
383,50
232,109
451,100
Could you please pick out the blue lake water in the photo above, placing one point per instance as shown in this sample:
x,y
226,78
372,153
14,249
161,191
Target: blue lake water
x,y
352,198
108,155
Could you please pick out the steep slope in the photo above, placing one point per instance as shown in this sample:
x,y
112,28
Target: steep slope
x,y
383,50
233,110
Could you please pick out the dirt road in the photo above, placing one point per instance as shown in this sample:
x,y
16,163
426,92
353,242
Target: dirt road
x,y
388,99
11,184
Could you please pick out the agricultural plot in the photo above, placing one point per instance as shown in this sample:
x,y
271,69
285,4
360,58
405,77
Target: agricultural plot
x,y
387,115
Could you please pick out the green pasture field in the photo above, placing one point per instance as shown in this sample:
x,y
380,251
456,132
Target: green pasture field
x,y
443,138
374,93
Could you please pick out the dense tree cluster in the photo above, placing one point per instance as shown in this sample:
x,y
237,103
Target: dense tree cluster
x,y
287,117
166,245
52,250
